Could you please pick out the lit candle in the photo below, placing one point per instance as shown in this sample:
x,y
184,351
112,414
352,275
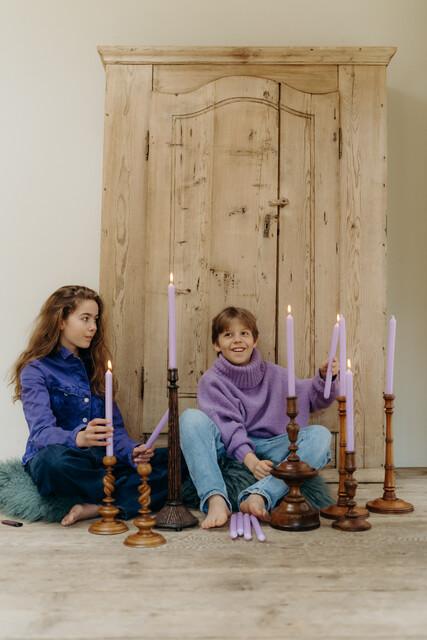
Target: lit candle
x,y
343,357
334,341
239,523
151,440
247,530
109,406
349,407
233,526
257,528
290,349
172,336
390,355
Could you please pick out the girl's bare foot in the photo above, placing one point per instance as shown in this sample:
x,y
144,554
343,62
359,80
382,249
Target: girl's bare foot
x,y
80,512
218,512
255,505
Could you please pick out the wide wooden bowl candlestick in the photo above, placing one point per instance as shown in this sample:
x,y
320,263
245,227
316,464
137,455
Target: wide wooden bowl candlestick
x,y
294,513
145,537
174,514
389,503
351,521
108,525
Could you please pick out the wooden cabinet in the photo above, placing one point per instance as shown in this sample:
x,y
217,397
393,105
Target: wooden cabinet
x,y
257,176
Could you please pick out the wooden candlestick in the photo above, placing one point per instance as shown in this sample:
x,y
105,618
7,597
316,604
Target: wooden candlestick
x,y
351,521
174,514
340,508
294,513
145,537
389,503
108,525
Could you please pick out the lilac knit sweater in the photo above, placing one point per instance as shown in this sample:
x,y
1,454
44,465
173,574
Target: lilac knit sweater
x,y
250,401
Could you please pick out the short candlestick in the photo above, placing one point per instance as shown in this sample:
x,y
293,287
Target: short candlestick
x,y
145,537
351,521
108,525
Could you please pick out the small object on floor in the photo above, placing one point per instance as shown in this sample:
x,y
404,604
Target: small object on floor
x,y
12,523
247,530
239,523
257,528
233,526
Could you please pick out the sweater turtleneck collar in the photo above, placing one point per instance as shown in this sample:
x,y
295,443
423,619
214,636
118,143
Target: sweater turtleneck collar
x,y
244,377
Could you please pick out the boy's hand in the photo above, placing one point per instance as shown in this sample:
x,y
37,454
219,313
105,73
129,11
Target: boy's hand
x,y
95,434
259,468
141,454
324,367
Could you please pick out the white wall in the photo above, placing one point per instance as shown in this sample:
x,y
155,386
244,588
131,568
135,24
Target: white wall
x,y
51,130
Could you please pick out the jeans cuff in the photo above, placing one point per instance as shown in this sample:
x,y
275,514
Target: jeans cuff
x,y
203,503
245,493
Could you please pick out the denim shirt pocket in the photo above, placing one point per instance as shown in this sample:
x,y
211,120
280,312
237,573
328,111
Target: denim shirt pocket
x,y
64,400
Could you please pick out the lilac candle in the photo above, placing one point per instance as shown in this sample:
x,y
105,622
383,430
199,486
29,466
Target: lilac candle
x,y
257,528
349,408
334,341
109,406
247,530
172,335
239,523
290,350
157,431
233,526
390,355
343,356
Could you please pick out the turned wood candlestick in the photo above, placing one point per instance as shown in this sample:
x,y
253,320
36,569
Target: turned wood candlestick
x,y
389,503
351,521
174,514
339,509
145,537
294,513
108,525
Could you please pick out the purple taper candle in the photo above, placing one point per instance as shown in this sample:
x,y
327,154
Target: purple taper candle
x,y
239,523
151,440
109,406
172,334
233,526
257,528
332,352
349,407
290,352
390,355
343,357
247,531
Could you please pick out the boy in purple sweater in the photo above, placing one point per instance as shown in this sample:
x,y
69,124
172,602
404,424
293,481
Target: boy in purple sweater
x,y
243,415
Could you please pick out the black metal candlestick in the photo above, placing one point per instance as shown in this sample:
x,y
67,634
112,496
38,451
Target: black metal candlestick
x,y
174,514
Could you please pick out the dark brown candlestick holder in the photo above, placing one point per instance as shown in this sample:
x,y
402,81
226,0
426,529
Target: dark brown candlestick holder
x,y
144,537
339,509
389,503
351,521
174,514
108,525
294,513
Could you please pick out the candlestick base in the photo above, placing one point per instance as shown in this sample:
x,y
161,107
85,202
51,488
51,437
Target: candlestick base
x,y
294,513
351,521
175,516
108,525
145,537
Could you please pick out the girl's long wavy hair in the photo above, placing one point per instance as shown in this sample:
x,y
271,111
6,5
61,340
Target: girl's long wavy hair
x,y
45,338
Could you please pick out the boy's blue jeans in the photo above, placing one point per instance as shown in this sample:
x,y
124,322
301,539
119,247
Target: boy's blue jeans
x,y
202,446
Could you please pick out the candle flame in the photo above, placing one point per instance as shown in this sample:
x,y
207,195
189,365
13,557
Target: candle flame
x,y
338,317
171,278
349,363
110,366
289,308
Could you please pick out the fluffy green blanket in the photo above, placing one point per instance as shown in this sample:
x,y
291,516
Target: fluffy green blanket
x,y
20,499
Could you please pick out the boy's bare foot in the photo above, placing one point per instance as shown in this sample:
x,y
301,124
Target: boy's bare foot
x,y
218,512
80,512
255,505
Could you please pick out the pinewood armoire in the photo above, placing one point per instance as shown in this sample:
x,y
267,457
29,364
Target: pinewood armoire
x,y
257,175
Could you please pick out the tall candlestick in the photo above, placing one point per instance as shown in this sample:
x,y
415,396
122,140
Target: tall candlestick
x,y
390,355
172,335
109,406
334,341
157,431
349,407
343,357
290,350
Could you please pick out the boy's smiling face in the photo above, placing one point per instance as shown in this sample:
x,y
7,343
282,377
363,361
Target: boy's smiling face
x,y
236,344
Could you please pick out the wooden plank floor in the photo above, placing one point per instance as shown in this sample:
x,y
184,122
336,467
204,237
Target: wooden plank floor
x,y
66,583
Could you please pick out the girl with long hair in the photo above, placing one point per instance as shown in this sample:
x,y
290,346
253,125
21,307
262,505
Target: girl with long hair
x,y
59,378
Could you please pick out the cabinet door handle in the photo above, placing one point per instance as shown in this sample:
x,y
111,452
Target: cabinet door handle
x,y
280,202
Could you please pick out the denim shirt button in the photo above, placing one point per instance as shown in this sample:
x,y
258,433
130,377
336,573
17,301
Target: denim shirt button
x,y
84,419
86,399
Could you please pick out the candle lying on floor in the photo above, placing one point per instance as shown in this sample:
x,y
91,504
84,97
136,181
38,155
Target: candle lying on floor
x,y
247,530
233,526
239,523
151,440
257,528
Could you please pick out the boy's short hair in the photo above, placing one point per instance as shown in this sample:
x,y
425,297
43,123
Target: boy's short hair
x,y
222,321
